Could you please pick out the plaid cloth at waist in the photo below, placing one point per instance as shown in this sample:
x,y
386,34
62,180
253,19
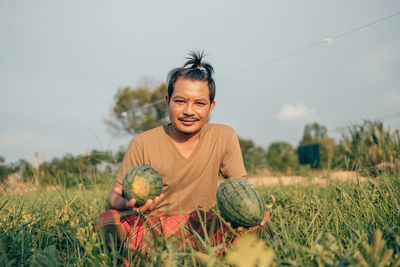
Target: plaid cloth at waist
x,y
136,232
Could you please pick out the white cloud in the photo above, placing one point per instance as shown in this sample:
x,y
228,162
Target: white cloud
x,y
300,111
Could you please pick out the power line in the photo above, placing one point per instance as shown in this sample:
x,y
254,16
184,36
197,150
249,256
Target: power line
x,y
275,59
293,53
324,41
366,25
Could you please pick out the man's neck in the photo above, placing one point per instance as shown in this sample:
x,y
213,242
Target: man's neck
x,y
180,137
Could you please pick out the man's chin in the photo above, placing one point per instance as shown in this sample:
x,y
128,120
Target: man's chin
x,y
188,132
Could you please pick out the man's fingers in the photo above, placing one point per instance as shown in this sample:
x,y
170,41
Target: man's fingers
x,y
131,203
240,229
117,190
155,202
158,199
146,206
266,218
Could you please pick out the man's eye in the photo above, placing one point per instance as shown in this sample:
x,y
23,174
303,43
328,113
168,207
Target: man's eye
x,y
200,103
179,101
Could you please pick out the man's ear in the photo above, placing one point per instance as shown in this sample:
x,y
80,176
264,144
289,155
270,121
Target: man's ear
x,y
166,100
212,105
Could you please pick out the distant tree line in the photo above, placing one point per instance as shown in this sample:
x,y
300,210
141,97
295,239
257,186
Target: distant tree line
x,y
367,147
68,169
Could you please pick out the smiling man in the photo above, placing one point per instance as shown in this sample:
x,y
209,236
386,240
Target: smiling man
x,y
188,153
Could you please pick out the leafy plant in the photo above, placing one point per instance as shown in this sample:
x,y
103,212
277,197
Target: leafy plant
x,y
364,146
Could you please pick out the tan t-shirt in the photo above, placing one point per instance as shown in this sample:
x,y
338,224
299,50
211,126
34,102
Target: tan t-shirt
x,y
189,182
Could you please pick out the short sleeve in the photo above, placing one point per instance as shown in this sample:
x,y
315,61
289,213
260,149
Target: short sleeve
x,y
232,160
133,157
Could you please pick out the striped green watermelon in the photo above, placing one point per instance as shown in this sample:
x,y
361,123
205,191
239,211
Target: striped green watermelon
x,y
141,183
240,203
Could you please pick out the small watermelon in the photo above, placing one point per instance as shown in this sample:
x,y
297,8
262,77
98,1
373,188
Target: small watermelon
x,y
141,183
240,203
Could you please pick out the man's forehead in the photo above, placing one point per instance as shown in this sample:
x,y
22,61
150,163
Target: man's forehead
x,y
188,88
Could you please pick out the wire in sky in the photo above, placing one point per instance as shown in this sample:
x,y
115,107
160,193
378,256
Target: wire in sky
x,y
295,52
366,25
276,59
324,41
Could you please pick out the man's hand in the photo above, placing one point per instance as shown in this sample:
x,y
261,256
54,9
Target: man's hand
x,y
265,219
117,201
241,230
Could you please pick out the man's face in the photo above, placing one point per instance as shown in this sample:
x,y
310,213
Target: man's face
x,y
189,106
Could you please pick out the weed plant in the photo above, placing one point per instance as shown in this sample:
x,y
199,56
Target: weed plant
x,y
335,225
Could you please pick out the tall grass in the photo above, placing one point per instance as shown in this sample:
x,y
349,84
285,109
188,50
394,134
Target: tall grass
x,y
335,225
364,146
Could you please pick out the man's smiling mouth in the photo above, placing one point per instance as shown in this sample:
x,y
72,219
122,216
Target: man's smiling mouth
x,y
188,120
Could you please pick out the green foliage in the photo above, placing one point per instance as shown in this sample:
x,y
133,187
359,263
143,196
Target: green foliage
x,y
318,134
137,110
281,156
87,167
335,225
253,156
22,166
364,146
4,169
328,225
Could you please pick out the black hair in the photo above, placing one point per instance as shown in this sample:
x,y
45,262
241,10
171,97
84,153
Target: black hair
x,y
194,69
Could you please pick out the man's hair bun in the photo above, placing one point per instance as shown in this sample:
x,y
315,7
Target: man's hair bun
x,y
194,61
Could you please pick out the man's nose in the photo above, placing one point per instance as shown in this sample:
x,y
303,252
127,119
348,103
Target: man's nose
x,y
188,109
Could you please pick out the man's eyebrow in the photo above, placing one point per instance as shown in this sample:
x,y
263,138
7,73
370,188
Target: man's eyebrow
x,y
178,97
201,99
197,99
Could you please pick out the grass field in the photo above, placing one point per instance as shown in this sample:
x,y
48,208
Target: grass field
x,y
334,225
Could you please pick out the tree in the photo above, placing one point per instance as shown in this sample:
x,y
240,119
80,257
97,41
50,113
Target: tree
x,y
5,170
253,156
281,156
313,133
24,167
318,134
137,110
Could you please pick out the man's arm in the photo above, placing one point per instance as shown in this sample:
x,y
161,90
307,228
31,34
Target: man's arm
x,y
232,161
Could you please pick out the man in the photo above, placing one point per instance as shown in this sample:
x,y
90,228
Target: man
x,y
189,154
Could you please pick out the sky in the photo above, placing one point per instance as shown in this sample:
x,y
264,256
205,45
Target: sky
x,y
278,66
